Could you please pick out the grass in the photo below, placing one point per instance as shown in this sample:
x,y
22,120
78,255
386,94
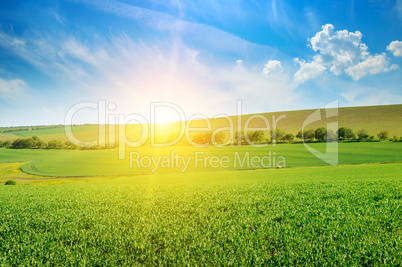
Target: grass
x,y
342,215
8,136
106,163
372,118
55,131
105,213
12,171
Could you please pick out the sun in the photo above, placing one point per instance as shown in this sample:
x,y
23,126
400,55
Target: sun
x,y
166,116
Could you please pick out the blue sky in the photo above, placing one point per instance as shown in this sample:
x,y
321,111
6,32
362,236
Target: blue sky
x,y
202,56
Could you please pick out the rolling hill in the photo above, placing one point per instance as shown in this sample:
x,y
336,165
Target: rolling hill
x,y
371,118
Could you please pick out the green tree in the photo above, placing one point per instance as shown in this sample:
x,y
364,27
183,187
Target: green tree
x,y
331,136
309,135
345,133
70,145
19,143
7,143
349,134
289,137
276,135
300,135
38,143
220,138
258,137
30,142
341,133
363,135
382,135
202,138
320,134
238,137
55,144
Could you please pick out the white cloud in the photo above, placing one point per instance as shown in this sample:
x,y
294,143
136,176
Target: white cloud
x,y
396,48
154,72
310,70
272,67
47,53
339,49
134,73
210,36
340,52
371,65
10,89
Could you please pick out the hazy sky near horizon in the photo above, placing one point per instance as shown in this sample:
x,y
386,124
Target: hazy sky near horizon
x,y
202,56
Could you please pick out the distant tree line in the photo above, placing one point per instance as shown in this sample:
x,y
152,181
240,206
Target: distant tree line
x,y
35,142
321,134
33,128
28,128
343,134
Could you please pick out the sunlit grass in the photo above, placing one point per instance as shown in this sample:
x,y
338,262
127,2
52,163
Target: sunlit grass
x,y
107,162
345,215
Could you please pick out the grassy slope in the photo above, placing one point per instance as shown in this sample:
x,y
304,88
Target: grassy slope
x,y
372,118
8,136
106,162
85,133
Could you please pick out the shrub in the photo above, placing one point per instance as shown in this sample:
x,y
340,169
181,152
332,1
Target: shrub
x,y
345,133
320,134
218,138
331,136
383,135
10,182
363,135
258,137
30,142
276,135
202,138
289,137
308,135
55,144
7,143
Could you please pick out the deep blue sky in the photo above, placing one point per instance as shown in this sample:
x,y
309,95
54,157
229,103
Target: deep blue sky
x,y
202,56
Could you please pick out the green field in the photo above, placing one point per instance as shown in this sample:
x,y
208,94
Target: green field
x,y
107,163
345,215
106,213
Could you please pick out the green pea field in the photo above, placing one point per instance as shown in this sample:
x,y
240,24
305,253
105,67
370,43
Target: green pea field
x,y
94,209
